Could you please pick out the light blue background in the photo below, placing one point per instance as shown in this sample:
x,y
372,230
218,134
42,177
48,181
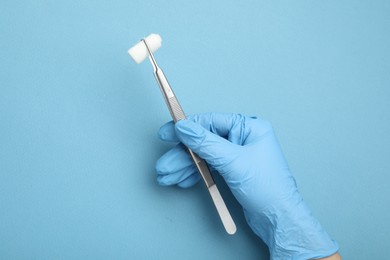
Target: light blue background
x,y
79,120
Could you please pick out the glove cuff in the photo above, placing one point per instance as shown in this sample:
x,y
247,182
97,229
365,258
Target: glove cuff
x,y
292,233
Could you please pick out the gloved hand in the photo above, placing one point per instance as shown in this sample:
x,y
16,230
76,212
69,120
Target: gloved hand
x,y
245,152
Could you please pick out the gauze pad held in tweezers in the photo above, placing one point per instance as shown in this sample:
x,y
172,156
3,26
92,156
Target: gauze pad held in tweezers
x,y
139,53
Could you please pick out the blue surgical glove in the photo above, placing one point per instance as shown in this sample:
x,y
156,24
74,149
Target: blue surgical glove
x,y
245,152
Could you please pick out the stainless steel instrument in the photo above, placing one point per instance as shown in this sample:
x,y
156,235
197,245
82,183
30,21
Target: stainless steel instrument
x,y
177,114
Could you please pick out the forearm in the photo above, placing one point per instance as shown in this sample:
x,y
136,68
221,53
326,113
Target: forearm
x,y
336,256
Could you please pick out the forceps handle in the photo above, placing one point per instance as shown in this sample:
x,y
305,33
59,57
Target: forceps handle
x,y
177,114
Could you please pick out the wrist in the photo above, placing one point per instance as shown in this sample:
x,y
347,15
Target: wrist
x,y
291,231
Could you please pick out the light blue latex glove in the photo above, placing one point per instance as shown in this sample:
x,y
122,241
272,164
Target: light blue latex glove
x,y
246,154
